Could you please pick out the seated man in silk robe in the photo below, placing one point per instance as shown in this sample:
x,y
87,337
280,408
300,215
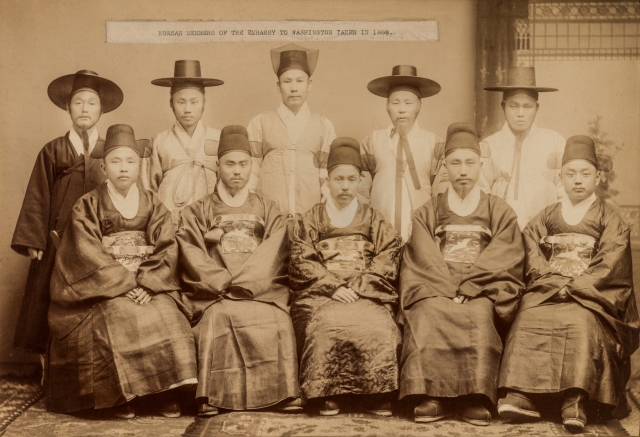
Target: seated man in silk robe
x,y
117,332
289,143
233,268
400,172
178,169
343,273
460,279
577,325
63,172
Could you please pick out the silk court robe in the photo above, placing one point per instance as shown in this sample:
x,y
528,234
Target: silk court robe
x,y
235,290
178,169
56,182
105,349
584,339
452,349
346,348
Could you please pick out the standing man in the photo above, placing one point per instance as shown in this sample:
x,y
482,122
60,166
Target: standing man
x,y
517,170
290,144
399,177
63,172
178,170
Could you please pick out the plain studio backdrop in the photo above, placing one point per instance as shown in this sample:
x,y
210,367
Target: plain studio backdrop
x,y
41,40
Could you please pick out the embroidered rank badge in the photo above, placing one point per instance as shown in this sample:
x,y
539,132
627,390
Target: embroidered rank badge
x,y
462,243
345,253
570,252
241,233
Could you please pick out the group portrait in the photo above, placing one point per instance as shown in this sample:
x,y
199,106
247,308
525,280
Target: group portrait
x,y
413,233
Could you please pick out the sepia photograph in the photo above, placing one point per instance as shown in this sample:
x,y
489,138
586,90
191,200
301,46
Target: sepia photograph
x,y
319,218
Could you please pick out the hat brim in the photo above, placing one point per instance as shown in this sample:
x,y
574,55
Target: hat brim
x,y
532,88
142,146
169,81
59,92
380,86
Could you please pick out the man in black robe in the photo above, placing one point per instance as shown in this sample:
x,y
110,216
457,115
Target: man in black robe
x,y
578,323
461,275
63,172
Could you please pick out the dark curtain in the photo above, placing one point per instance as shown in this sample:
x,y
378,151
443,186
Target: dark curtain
x,y
496,44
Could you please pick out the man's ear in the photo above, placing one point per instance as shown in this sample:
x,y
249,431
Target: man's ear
x,y
102,167
310,85
598,178
278,86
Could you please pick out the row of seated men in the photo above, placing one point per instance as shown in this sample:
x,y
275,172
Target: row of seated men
x,y
152,292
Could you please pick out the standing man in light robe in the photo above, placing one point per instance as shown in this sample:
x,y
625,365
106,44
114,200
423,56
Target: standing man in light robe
x,y
291,144
517,170
178,170
399,177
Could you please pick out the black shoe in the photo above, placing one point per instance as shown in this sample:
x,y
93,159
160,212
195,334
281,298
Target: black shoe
x,y
329,408
474,412
573,414
517,406
379,408
290,405
125,411
430,410
171,409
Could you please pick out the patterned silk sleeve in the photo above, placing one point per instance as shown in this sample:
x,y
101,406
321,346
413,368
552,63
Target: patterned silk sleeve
x,y
307,273
379,280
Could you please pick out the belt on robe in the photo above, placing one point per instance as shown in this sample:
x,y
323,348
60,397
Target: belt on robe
x,y
464,228
129,250
577,239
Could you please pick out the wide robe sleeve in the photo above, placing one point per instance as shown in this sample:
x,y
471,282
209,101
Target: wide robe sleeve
x,y
32,228
498,271
379,280
151,173
85,274
605,287
203,280
308,275
496,274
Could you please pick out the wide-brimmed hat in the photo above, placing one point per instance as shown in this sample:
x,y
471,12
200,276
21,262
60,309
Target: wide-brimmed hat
x,y
187,71
404,75
233,138
521,78
580,147
63,88
292,56
120,135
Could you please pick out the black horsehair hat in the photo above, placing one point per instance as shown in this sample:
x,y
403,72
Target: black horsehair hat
x,y
63,88
120,135
404,75
187,74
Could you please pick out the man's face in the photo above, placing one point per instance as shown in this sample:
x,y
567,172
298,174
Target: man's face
x,y
579,178
294,86
234,169
463,166
121,166
188,106
520,111
343,184
403,108
85,109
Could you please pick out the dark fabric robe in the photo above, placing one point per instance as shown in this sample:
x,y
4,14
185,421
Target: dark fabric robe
x,y
106,349
345,347
56,182
585,339
237,298
452,349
